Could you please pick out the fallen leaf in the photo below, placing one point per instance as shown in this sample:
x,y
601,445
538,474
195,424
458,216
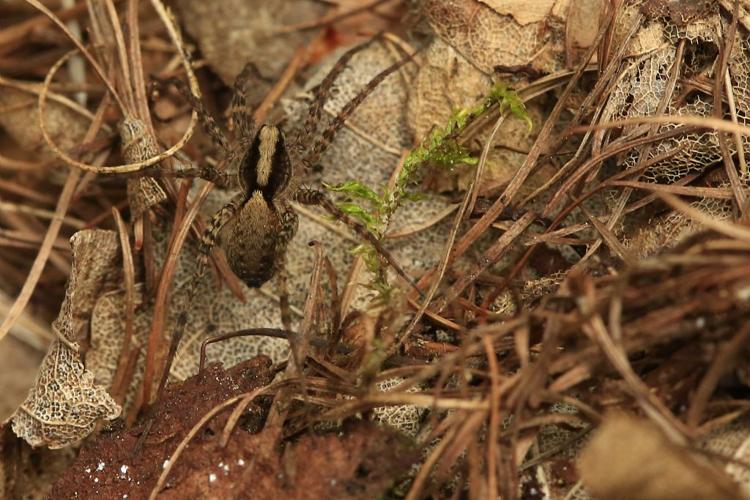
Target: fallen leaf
x,y
631,458
65,403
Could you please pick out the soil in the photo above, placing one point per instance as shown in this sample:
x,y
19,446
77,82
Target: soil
x,y
359,460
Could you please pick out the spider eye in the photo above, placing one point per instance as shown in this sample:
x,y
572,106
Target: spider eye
x,y
266,166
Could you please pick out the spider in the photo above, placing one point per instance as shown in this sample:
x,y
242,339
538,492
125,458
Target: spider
x,y
255,227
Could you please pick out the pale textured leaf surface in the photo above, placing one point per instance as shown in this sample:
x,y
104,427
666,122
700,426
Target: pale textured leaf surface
x,y
613,464
488,39
733,441
640,88
214,310
525,12
20,119
233,32
65,403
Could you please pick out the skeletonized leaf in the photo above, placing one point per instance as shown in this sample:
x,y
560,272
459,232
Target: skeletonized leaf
x,y
64,403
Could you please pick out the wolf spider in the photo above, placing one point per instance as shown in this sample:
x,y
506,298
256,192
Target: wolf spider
x,y
255,227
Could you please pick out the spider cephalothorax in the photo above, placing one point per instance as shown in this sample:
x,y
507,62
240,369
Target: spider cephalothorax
x,y
255,238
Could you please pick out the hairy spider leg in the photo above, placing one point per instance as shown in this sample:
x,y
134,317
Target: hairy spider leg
x,y
241,122
210,235
207,243
335,124
309,196
323,90
210,173
207,120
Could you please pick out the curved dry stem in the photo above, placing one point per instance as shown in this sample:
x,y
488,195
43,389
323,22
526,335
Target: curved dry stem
x,y
35,89
52,231
276,333
115,169
239,409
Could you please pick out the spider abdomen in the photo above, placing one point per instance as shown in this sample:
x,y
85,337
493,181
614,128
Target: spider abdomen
x,y
255,239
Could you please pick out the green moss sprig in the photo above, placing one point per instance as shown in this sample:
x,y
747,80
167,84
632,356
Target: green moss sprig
x,y
442,148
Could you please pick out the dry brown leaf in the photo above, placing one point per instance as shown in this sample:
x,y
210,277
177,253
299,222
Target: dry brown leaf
x,y
20,119
630,458
231,33
488,39
65,403
525,12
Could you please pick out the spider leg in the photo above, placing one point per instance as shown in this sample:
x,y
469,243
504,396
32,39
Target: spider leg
x,y
250,332
210,236
207,120
241,122
322,144
286,310
323,90
309,196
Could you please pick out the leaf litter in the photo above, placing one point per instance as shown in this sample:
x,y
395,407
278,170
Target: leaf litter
x,y
561,277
